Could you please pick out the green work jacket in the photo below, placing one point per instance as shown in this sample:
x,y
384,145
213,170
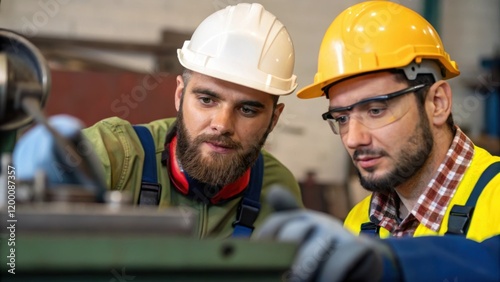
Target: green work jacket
x,y
121,154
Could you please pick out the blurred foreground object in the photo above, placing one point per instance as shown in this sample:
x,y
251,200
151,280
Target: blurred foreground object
x,y
59,151
24,88
23,72
50,178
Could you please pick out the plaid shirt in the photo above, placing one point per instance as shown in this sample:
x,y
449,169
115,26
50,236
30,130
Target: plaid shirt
x,y
433,203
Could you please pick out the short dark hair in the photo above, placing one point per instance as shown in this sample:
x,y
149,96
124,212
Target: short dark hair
x,y
427,79
186,76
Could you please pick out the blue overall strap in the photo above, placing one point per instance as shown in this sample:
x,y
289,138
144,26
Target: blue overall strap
x,y
150,187
249,207
461,216
369,228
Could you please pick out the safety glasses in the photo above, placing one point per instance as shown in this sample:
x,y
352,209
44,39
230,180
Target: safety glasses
x,y
374,112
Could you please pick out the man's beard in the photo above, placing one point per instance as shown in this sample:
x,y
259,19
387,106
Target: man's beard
x,y
411,160
215,169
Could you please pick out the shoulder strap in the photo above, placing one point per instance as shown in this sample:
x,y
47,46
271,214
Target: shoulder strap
x,y
369,228
461,216
150,187
249,207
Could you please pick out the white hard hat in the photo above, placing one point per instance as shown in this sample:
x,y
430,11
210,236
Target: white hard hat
x,y
243,44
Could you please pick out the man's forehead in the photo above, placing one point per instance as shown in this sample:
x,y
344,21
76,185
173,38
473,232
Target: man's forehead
x,y
225,89
354,89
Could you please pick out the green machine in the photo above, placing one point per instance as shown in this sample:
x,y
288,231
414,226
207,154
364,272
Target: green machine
x,y
106,242
72,233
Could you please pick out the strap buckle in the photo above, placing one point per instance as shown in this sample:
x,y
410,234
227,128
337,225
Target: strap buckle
x,y
460,217
370,228
246,215
150,193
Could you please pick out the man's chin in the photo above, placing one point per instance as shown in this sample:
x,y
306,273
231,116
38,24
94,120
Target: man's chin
x,y
378,183
209,155
369,173
214,160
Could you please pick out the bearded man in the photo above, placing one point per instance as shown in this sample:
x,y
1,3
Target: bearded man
x,y
210,158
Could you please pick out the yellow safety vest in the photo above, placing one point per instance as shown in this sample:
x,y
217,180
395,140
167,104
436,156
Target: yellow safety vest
x,y
486,215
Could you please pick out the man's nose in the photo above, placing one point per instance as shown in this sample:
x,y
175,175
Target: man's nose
x,y
223,121
357,134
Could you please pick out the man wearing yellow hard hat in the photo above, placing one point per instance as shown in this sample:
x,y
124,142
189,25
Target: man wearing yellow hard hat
x,y
383,69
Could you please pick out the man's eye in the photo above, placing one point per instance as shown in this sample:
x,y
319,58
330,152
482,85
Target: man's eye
x,y
375,112
248,111
374,109
205,100
341,119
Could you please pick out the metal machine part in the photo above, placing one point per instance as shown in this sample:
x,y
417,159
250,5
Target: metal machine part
x,y
21,65
146,258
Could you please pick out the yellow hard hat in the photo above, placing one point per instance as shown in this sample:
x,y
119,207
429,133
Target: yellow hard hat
x,y
372,36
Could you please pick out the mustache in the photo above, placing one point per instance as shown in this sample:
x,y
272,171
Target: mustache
x,y
367,152
221,140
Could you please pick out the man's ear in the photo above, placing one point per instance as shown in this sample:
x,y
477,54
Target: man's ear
x,y
276,114
179,90
440,100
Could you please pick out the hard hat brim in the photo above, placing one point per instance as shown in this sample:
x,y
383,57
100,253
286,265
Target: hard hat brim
x,y
244,81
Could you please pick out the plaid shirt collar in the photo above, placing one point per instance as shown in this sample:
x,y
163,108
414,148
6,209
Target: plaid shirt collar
x,y
433,203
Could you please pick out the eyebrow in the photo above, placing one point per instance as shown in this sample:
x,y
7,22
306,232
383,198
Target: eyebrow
x,y
213,94
206,92
380,98
345,108
383,97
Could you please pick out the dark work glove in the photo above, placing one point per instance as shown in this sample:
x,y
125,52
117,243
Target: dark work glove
x,y
327,251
